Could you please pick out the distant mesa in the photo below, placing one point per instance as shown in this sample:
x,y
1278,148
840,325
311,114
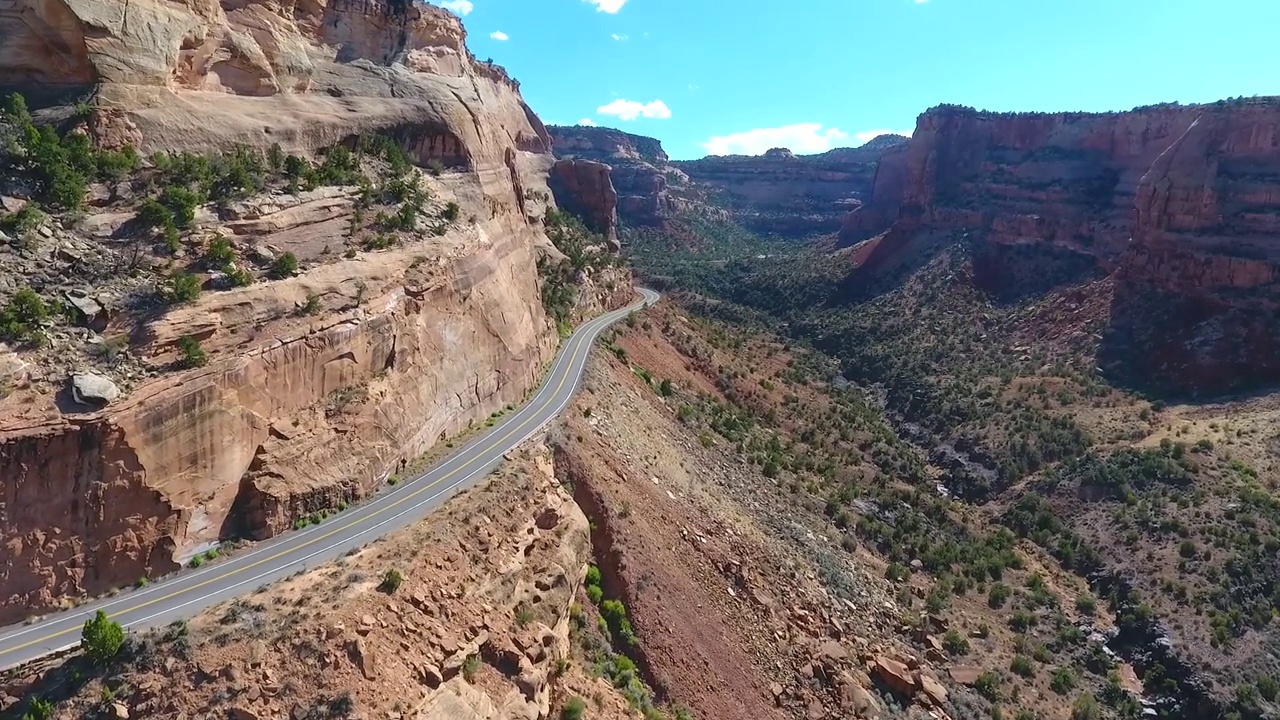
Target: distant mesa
x,y
778,193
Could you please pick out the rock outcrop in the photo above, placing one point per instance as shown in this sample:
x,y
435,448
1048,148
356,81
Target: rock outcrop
x,y
880,209
584,188
777,193
640,170
1198,291
317,387
1180,203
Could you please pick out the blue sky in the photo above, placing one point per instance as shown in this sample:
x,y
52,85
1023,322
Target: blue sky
x,y
720,76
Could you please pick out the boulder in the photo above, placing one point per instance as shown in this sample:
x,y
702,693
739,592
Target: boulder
x,y
363,657
89,312
93,390
895,675
933,690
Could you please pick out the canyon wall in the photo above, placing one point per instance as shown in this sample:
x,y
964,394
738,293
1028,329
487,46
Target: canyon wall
x,y
777,193
584,188
647,186
1180,204
793,196
317,387
1197,298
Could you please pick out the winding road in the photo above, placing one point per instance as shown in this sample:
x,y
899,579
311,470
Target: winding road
x,y
184,594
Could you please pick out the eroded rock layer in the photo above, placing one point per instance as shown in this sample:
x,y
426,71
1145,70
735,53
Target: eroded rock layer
x,y
1180,203
317,387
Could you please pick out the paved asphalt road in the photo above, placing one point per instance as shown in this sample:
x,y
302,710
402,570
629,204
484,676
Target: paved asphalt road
x,y
186,593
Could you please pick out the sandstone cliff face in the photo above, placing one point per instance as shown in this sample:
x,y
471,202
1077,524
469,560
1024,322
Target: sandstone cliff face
x,y
295,412
794,196
1066,178
778,193
646,185
208,74
294,418
1181,203
880,209
584,188
1198,291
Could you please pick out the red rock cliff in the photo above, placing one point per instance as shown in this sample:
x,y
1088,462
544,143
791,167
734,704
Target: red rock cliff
x,y
1181,203
295,412
1198,290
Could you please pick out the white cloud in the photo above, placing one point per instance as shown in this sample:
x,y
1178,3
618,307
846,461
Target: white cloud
x,y
867,136
607,6
630,110
461,7
587,122
499,36
802,138
619,38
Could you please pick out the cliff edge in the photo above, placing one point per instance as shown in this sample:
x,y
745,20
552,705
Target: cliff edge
x,y
310,244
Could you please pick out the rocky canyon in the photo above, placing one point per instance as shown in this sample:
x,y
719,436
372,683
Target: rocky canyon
x,y
330,347
1177,205
977,423
776,193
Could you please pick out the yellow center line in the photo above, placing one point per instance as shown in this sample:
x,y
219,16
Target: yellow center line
x,y
380,511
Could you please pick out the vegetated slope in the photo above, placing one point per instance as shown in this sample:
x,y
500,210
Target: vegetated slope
x,y
1002,395
237,277
734,478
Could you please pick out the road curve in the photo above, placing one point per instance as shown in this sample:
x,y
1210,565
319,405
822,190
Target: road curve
x,y
187,593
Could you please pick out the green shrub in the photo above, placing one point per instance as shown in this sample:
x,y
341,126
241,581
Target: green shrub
x,y
26,220
575,708
1063,681
1021,665
153,215
182,202
1086,707
193,356
38,709
391,581
22,317
955,643
470,667
615,614
181,288
1268,687
101,638
523,616
988,686
286,265
998,595
450,212
311,306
